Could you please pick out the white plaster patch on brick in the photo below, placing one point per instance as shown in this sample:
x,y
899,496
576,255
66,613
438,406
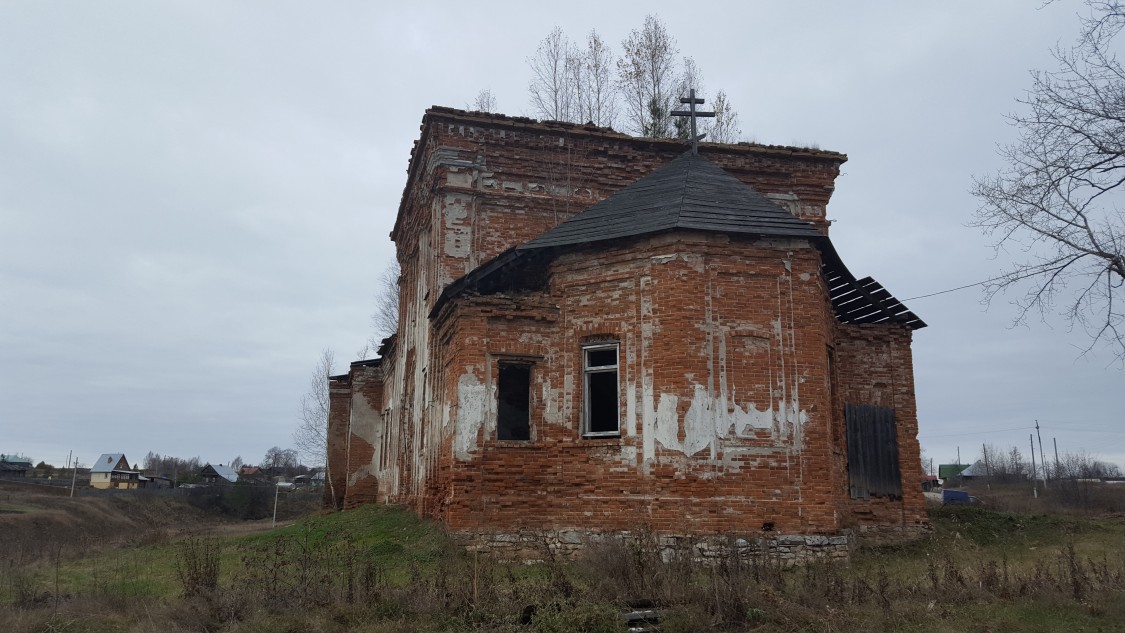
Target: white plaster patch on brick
x,y
810,211
459,178
628,425
699,422
627,455
472,402
551,399
419,326
362,472
648,394
666,422
365,420
458,229
628,375
746,421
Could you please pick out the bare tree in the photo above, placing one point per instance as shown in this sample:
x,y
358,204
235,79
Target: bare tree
x,y
311,434
384,320
724,127
1059,200
552,82
647,77
279,459
181,469
484,102
689,79
1082,465
598,101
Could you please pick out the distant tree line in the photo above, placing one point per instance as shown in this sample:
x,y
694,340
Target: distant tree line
x,y
1012,466
277,461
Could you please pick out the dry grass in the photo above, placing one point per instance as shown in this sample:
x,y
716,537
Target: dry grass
x,y
382,569
1071,497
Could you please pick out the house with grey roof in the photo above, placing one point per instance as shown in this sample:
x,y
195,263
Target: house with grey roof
x,y
218,474
112,471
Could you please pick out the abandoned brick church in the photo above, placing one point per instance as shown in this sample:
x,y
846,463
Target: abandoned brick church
x,y
602,334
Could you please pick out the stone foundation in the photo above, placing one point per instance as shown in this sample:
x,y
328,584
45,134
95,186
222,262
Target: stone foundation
x,y
537,546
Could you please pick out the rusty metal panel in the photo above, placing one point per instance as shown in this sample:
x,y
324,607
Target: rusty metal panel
x,y
873,464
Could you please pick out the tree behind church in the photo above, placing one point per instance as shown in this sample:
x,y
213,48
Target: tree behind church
x,y
1059,200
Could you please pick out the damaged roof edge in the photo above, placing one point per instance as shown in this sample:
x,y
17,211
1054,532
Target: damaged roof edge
x,y
474,276
854,301
860,301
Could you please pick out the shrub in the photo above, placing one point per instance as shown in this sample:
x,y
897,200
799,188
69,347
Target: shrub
x,y
197,565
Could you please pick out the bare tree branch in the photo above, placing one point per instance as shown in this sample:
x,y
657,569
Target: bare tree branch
x,y
599,95
384,321
724,128
1059,200
648,79
552,85
484,102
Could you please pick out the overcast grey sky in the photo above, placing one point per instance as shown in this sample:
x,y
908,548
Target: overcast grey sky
x,y
195,197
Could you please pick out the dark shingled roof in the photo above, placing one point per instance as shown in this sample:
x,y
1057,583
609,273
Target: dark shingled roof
x,y
690,192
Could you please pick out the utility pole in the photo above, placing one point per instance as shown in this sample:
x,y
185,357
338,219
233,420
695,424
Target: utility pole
x,y
960,480
1056,442
1042,460
1034,472
73,476
987,470
276,489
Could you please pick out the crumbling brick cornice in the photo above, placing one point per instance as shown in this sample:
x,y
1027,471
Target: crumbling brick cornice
x,y
437,115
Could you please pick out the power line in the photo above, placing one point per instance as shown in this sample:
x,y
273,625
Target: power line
x,y
942,292
1030,272
1019,428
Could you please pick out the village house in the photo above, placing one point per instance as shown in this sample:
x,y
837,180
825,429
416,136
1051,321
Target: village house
x,y
14,466
218,474
111,470
602,334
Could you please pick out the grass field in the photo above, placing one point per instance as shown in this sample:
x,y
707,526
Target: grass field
x,y
380,568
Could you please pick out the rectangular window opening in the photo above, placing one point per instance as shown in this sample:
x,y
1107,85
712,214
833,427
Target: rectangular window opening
x,y
600,387
513,418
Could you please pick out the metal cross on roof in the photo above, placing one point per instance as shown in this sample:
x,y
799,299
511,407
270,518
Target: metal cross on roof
x,y
690,112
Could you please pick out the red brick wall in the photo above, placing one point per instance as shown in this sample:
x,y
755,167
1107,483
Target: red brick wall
x,y
874,366
365,424
339,412
702,322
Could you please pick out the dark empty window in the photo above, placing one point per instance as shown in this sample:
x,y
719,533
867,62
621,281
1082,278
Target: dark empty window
x,y
513,419
872,452
600,388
